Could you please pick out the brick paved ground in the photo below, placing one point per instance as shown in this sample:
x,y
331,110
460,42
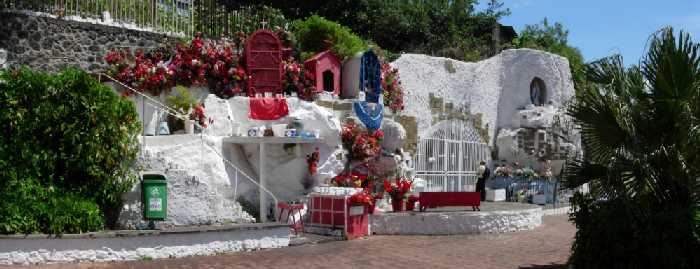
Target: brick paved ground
x,y
546,247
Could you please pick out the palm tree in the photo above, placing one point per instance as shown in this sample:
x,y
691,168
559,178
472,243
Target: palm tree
x,y
640,128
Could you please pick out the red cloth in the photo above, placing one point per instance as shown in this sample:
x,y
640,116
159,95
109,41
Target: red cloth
x,y
268,108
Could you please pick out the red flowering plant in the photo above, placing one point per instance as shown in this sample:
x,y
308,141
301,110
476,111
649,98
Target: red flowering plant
x,y
144,72
398,188
362,198
197,63
312,160
352,180
361,144
197,114
225,74
393,91
295,80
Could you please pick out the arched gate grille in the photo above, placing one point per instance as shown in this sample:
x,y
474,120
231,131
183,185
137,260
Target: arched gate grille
x,y
448,156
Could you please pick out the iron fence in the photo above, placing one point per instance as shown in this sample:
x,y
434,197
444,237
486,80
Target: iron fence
x,y
448,157
520,189
213,18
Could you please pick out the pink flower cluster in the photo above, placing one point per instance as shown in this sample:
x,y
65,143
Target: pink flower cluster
x,y
216,65
144,72
393,91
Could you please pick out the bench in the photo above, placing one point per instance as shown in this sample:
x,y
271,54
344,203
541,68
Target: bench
x,y
437,199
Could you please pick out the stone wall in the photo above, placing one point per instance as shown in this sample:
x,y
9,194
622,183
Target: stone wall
x,y
457,222
51,44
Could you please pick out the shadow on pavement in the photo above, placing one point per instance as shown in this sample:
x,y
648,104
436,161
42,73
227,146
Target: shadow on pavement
x,y
545,266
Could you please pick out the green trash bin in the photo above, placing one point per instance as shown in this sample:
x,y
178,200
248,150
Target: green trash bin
x,y
154,188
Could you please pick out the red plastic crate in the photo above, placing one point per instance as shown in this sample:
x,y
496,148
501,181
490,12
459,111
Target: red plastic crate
x,y
333,212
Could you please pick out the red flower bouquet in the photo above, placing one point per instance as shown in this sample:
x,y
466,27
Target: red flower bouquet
x,y
361,144
397,190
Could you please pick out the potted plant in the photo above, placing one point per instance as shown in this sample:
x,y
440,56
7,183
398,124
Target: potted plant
x,y
363,198
397,191
181,101
198,115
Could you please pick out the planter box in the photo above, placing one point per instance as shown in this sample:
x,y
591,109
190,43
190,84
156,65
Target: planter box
x,y
331,213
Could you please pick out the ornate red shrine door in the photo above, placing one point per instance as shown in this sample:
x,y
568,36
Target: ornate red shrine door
x,y
263,53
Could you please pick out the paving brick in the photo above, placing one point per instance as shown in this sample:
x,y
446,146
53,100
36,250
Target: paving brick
x,y
548,246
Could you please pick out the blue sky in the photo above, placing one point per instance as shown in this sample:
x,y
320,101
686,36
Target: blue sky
x,y
600,28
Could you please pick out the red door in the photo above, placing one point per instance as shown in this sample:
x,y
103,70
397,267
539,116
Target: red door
x,y
263,53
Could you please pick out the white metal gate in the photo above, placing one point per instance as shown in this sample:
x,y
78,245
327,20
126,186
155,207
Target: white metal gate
x,y
448,156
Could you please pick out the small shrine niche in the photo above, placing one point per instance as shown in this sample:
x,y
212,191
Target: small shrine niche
x,y
538,92
362,72
263,53
324,69
370,76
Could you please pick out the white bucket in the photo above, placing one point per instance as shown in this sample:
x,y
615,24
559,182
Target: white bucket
x,y
279,129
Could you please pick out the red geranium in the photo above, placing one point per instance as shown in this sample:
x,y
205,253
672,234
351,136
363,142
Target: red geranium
x,y
398,188
198,63
361,198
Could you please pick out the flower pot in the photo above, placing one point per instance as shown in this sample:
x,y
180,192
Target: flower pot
x,y
370,208
279,129
189,126
397,204
411,202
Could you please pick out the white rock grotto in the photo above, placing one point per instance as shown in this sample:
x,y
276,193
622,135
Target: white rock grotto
x,y
496,87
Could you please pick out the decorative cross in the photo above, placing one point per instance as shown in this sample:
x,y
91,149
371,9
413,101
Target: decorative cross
x,y
264,23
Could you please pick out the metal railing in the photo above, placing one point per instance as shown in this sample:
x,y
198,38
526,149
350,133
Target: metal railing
x,y
166,16
173,17
156,104
522,189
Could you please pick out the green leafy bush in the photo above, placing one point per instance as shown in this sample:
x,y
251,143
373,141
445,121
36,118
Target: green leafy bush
x,y
620,234
640,130
181,100
65,135
313,33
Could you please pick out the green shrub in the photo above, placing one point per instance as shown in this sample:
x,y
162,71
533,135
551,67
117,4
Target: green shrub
x,y
71,214
65,135
619,234
311,35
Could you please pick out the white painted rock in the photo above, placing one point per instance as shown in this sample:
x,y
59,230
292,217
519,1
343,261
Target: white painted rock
x,y
394,135
220,112
496,87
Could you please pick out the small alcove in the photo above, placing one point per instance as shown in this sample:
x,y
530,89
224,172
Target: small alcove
x,y
538,92
329,81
